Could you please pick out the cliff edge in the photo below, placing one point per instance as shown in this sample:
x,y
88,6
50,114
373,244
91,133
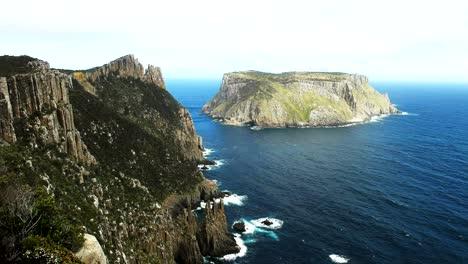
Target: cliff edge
x,y
100,166
296,99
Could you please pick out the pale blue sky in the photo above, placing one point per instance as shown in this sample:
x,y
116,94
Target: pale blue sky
x,y
399,40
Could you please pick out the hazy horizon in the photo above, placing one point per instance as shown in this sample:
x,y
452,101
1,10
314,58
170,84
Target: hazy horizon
x,y
387,41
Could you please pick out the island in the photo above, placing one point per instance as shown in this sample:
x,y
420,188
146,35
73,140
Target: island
x,y
296,99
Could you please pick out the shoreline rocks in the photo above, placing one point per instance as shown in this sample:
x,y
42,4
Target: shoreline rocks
x,y
239,227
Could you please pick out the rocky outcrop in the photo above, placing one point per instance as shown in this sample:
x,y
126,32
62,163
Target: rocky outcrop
x,y
35,109
127,71
91,251
214,239
137,197
239,226
125,67
296,99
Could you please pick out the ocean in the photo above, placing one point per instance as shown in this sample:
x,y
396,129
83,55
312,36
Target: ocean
x,y
394,190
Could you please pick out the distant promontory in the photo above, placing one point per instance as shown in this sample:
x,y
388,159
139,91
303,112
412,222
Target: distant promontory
x,y
296,99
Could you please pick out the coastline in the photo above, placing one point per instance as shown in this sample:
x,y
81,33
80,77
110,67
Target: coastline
x,y
253,126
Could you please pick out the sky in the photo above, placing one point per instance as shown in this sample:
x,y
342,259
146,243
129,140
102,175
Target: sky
x,y
398,40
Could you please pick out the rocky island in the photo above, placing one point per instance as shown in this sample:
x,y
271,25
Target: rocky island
x,y
100,166
296,99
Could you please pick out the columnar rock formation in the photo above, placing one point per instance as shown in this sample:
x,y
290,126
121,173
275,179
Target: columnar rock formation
x,y
142,179
127,66
35,108
296,99
213,238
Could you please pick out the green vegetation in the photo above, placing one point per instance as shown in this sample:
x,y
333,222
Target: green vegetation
x,y
287,77
10,65
135,122
296,99
33,227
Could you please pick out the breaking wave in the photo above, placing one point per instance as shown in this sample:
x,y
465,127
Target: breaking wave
x,y
243,249
218,163
338,259
275,223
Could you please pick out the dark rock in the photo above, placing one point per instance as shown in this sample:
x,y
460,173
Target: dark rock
x,y
239,226
207,162
213,238
226,193
267,222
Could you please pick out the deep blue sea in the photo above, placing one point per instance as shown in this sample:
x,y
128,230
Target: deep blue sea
x,y
391,191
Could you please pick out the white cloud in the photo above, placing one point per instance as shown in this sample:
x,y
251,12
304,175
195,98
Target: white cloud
x,y
399,40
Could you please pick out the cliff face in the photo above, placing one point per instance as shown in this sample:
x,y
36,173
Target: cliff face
x,y
36,110
124,85
134,182
296,99
127,66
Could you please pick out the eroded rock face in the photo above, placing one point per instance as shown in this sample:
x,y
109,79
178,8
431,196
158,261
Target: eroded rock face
x,y
91,251
127,69
35,109
213,238
125,206
127,66
296,99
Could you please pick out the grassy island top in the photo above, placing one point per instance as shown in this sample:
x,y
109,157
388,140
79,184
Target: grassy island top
x,y
291,76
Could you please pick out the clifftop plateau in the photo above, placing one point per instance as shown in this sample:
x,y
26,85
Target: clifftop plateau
x,y
296,99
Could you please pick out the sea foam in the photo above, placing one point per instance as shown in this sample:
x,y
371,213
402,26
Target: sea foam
x,y
233,199
338,259
256,227
243,249
276,223
207,152
378,118
218,163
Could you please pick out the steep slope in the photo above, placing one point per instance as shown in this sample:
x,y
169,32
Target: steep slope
x,y
130,178
296,99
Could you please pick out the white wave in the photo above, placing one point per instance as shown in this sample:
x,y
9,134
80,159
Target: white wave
x,y
276,223
207,152
408,114
250,241
202,205
218,163
249,227
268,233
256,128
338,259
378,118
233,199
243,249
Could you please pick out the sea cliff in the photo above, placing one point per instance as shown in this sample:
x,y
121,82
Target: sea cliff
x,y
102,163
296,99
